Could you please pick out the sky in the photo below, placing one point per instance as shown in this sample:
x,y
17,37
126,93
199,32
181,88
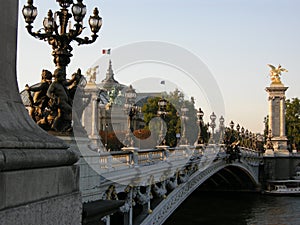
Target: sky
x,y
233,39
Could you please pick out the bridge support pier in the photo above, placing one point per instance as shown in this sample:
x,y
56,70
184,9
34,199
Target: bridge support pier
x,y
280,167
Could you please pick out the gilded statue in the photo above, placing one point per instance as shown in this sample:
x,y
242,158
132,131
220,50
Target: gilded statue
x,y
275,73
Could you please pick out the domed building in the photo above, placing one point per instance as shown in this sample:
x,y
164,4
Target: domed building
x,y
115,104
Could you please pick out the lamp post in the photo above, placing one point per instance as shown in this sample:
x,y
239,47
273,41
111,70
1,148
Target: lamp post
x,y
162,112
243,136
130,110
213,118
231,125
221,128
246,138
56,34
184,119
200,115
238,127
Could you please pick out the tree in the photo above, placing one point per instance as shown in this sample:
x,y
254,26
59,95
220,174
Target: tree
x,y
293,122
292,118
175,102
171,119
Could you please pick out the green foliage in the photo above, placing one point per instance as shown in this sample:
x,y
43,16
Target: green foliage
x,y
175,101
293,122
292,117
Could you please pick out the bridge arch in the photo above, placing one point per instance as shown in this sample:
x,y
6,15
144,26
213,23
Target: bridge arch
x,y
220,172
231,177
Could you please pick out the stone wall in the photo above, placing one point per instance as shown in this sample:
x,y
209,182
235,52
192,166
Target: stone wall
x,y
280,168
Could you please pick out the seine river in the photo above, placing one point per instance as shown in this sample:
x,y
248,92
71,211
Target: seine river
x,y
229,208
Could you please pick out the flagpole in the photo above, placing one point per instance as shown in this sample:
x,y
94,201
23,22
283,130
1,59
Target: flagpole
x,y
107,52
163,82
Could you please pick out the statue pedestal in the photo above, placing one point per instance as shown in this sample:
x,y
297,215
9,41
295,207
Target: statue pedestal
x,y
280,146
269,153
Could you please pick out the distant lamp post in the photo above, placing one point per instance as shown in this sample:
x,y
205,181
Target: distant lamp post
x,y
238,131
221,128
162,112
130,110
238,128
246,138
200,115
213,118
60,39
184,119
243,136
231,125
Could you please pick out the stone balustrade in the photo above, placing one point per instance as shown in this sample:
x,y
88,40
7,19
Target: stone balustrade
x,y
134,157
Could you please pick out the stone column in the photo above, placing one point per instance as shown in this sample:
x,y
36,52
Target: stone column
x,y
91,114
39,183
282,116
276,93
270,112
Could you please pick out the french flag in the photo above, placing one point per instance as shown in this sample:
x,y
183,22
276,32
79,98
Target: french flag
x,y
106,51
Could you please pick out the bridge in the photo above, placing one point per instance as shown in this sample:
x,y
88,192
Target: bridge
x,y
154,182
41,182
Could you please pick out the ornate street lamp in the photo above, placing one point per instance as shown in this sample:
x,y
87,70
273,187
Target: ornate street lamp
x,y
60,40
162,112
243,136
184,119
130,109
238,128
231,125
162,107
213,118
221,128
200,115
221,121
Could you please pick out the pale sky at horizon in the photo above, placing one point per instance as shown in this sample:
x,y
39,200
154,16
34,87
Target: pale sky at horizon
x,y
235,39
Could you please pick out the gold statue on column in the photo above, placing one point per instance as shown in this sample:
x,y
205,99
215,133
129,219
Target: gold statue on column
x,y
275,73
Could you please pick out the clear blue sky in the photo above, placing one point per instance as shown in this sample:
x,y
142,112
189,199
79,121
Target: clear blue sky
x,y
234,38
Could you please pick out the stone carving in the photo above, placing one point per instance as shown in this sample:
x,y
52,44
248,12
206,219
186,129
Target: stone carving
x,y
269,144
159,189
91,74
129,202
143,198
110,193
183,176
172,182
275,73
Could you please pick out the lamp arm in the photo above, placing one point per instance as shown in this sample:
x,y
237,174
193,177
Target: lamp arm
x,y
56,29
38,34
74,33
86,40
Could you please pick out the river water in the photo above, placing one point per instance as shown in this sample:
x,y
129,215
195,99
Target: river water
x,y
230,208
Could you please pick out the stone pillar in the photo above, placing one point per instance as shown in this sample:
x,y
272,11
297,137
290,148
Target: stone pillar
x,y
38,181
276,93
91,114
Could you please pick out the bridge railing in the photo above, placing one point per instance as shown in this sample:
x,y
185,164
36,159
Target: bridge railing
x,y
132,157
